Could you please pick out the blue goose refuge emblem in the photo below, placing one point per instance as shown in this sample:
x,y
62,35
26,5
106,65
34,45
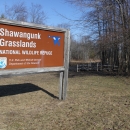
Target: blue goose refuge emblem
x,y
55,40
3,62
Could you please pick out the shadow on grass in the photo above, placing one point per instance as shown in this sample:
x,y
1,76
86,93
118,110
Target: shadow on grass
x,y
14,89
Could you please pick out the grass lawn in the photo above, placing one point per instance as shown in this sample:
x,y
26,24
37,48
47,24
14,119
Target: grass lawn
x,y
94,102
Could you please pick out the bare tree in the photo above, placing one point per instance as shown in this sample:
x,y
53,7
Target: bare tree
x,y
17,12
20,12
37,15
2,16
64,25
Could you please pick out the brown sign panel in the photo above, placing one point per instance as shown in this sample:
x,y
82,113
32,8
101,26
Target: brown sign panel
x,y
23,47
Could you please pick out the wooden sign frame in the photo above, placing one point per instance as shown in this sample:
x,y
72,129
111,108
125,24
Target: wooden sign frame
x,y
62,69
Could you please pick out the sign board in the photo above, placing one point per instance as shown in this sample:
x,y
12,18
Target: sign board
x,y
22,47
29,48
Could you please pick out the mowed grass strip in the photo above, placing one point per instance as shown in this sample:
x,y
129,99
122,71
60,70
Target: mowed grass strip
x,y
29,102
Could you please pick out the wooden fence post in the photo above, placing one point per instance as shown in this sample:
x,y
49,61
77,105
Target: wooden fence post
x,y
97,66
77,68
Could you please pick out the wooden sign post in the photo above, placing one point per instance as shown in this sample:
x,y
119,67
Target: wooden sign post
x,y
31,48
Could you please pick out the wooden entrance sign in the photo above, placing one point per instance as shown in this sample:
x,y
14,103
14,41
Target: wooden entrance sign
x,y
31,48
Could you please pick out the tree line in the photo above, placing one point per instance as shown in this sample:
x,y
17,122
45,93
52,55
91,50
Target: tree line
x,y
84,49
109,21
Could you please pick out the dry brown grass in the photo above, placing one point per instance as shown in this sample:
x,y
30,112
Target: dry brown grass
x,y
93,103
